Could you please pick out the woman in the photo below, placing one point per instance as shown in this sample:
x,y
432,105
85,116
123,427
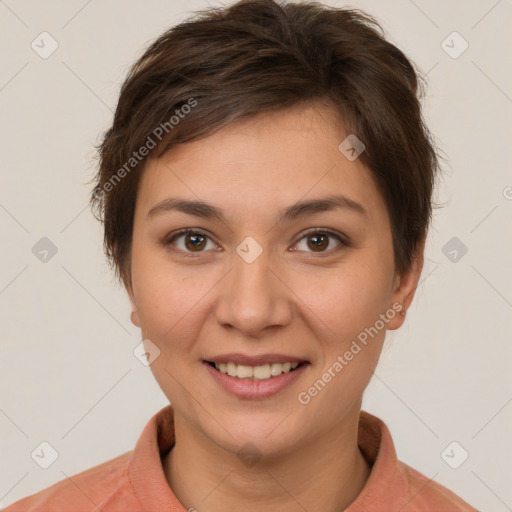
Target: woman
x,y
266,190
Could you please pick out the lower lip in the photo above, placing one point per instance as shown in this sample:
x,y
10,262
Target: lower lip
x,y
255,389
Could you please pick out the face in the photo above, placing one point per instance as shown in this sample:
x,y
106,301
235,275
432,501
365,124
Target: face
x,y
269,273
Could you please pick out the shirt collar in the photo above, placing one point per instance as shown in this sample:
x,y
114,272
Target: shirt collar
x,y
145,469
387,484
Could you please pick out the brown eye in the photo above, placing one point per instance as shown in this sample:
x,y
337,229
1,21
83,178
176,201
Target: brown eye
x,y
319,241
189,241
195,241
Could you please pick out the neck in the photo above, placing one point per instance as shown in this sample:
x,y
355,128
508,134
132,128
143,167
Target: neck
x,y
326,473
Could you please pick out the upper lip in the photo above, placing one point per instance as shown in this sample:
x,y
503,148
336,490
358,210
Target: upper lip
x,y
255,360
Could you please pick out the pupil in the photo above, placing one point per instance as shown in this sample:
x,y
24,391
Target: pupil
x,y
196,240
318,241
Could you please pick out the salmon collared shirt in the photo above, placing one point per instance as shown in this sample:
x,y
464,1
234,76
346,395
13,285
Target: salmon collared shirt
x,y
135,481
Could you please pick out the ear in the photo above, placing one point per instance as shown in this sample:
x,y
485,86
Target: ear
x,y
405,287
134,316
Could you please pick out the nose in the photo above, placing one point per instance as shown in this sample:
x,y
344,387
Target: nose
x,y
253,297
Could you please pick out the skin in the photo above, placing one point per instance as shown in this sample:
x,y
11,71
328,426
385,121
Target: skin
x,y
294,299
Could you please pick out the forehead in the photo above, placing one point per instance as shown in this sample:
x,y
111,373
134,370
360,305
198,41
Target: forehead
x,y
265,162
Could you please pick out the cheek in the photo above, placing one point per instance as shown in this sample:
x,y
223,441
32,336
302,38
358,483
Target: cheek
x,y
347,299
349,332
345,315
166,306
170,299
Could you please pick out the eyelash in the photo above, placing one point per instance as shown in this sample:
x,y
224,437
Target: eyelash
x,y
186,231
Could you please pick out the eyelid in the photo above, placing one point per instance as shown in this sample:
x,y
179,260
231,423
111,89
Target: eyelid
x,y
169,240
326,231
341,238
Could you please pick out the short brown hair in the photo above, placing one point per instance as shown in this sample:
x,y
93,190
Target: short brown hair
x,y
259,56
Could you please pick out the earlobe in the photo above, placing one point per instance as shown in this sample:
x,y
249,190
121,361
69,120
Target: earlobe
x,y
134,316
405,288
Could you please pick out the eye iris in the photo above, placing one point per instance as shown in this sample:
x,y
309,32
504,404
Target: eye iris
x,y
197,240
317,243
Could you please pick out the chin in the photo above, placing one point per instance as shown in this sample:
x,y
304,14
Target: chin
x,y
270,432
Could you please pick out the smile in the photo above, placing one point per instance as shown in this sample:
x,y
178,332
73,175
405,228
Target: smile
x,y
264,378
260,372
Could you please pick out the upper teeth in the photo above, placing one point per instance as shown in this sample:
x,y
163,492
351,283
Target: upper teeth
x,y
264,371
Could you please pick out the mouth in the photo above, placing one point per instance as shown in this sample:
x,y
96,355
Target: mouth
x,y
266,371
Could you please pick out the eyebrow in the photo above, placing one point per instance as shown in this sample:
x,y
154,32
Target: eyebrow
x,y
299,209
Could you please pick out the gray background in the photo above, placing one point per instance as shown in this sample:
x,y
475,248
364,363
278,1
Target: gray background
x,y
68,374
